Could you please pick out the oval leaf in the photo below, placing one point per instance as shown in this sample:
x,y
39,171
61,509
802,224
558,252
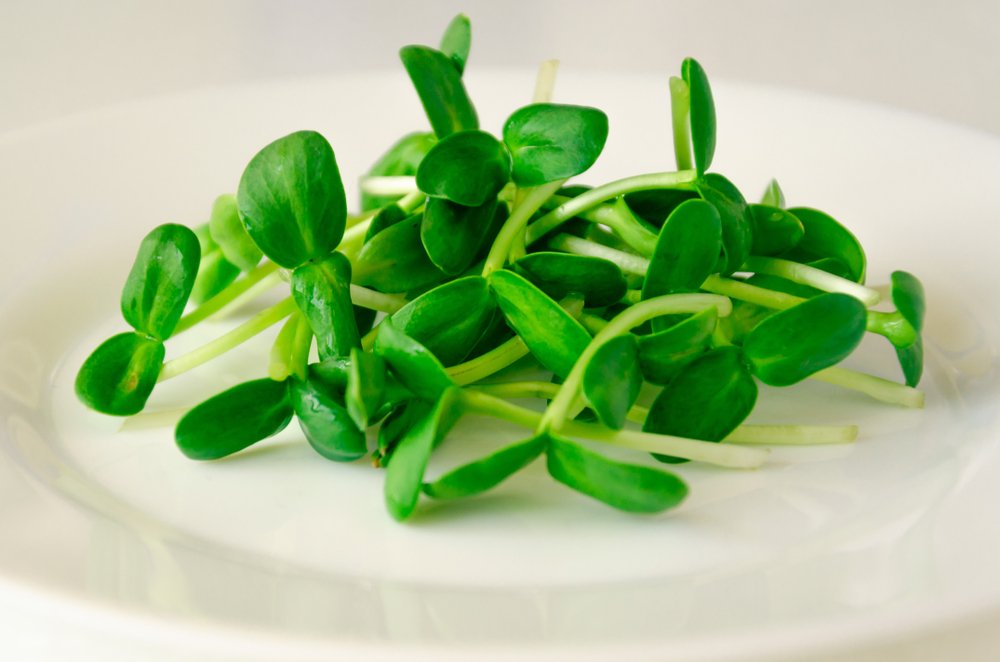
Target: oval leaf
x,y
707,399
449,319
794,343
119,375
325,421
400,160
825,237
440,88
600,281
457,41
687,250
291,199
550,141
394,260
234,419
405,474
737,225
322,291
554,338
612,380
365,386
664,353
452,233
228,232
469,167
215,273
908,297
488,472
161,280
628,487
412,363
775,230
702,114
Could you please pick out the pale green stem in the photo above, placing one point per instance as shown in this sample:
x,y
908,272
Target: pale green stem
x,y
793,435
232,293
760,296
725,455
301,345
545,82
489,363
519,217
680,112
805,275
385,303
256,324
876,387
279,367
683,179
388,186
354,238
360,218
670,304
627,262
619,218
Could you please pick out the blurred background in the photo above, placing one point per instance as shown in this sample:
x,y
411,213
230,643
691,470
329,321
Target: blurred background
x,y
939,57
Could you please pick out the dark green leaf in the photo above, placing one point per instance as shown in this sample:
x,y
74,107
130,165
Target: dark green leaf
x,y
600,281
440,88
707,399
161,279
457,41
628,487
775,230
551,141
911,360
908,297
555,339
119,375
488,472
401,160
215,273
228,232
325,421
702,114
291,199
234,419
664,353
737,225
449,319
468,167
385,218
612,380
687,250
412,363
452,233
655,206
794,343
395,260
322,291
405,474
365,385
826,238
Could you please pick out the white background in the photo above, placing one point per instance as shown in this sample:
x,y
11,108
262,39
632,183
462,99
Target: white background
x,y
935,57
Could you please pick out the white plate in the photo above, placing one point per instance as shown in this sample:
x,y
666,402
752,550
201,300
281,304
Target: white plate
x,y
277,553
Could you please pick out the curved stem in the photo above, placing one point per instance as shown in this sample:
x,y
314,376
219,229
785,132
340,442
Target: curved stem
x,y
803,274
489,363
515,223
876,387
680,113
230,294
388,186
385,303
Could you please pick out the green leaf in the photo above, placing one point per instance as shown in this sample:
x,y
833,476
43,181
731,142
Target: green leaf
x,y
612,380
119,375
401,160
775,230
707,400
440,88
794,343
664,353
412,363
322,291
827,238
215,273
386,217
325,421
488,472
234,419
291,199
229,234
405,474
468,167
773,195
687,250
702,114
908,297
449,319
552,335
550,141
628,487
457,41
656,205
737,224
452,233
395,260
600,281
365,385
911,360
161,279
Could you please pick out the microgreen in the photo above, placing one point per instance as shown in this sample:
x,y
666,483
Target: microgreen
x,y
656,299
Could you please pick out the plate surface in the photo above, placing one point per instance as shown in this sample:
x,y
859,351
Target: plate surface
x,y
277,552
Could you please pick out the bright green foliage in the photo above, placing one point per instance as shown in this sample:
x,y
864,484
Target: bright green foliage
x,y
600,281
549,142
457,41
439,85
229,234
488,472
702,114
121,373
468,168
401,160
612,380
322,291
825,237
325,421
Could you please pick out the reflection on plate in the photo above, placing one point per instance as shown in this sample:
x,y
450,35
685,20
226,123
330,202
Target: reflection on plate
x,y
822,547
